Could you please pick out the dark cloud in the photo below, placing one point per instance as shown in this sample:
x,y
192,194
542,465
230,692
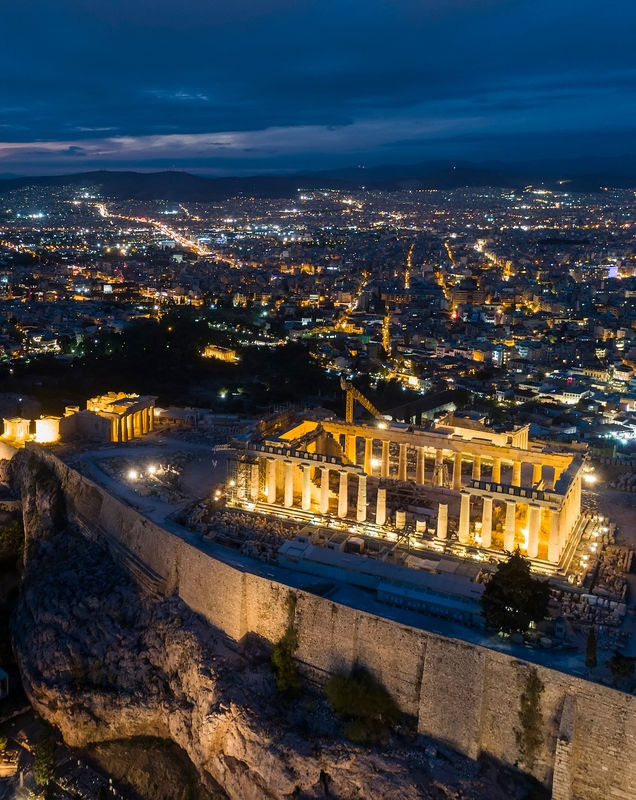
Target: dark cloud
x,y
111,78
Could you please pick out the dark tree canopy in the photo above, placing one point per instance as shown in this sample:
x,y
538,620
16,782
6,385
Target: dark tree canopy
x,y
512,598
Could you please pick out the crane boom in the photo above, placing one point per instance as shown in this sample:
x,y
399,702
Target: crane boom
x,y
353,394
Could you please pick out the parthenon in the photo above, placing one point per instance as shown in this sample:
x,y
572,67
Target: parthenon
x,y
462,483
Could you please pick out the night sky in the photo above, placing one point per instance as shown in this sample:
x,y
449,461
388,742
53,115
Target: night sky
x,y
248,86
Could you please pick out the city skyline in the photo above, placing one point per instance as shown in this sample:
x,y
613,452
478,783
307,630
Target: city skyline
x,y
279,86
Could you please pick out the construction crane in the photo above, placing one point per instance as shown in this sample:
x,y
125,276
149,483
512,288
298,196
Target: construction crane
x,y
354,394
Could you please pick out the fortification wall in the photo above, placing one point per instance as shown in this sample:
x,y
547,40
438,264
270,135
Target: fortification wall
x,y
468,696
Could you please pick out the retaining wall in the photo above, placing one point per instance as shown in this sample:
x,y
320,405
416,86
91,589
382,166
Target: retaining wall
x,y
582,734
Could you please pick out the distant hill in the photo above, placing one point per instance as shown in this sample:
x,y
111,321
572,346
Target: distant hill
x,y
577,175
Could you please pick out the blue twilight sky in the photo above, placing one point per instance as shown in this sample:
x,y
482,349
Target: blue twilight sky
x,y
245,86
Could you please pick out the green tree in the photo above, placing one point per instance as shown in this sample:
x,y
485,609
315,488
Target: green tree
x,y
512,598
3,743
44,760
590,649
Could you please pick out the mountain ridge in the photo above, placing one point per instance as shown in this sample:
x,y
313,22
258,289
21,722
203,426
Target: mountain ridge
x,y
577,175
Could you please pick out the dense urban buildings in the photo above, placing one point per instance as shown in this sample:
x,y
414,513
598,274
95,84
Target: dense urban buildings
x,y
277,413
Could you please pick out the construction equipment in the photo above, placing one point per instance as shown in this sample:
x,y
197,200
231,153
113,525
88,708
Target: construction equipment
x,y
354,394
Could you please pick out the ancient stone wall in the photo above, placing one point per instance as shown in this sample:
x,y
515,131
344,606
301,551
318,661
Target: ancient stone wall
x,y
478,700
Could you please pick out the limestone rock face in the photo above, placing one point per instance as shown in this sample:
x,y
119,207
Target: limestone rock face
x,y
102,663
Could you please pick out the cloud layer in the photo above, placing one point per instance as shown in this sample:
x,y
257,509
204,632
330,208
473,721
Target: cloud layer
x,y
257,85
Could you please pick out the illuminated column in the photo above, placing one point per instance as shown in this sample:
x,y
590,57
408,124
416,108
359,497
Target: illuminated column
x,y
368,453
509,525
151,417
486,523
343,499
534,523
121,424
350,444
402,463
457,471
516,473
271,480
477,468
380,508
536,474
289,484
254,481
496,470
438,472
420,469
442,521
306,498
130,431
144,420
464,518
361,509
324,490
384,470
553,542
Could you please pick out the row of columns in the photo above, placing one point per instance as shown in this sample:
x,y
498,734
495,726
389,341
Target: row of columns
x,y
271,490
555,543
134,424
350,449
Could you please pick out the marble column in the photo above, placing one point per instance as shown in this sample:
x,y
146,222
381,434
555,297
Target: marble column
x,y
144,421
536,474
123,430
509,525
420,469
324,490
496,470
343,491
130,430
380,508
271,480
516,473
289,484
306,497
476,468
553,542
402,463
350,444
486,523
457,471
534,523
442,521
254,481
361,508
463,531
368,456
384,470
438,473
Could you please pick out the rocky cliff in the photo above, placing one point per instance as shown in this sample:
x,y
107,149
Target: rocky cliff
x,y
103,662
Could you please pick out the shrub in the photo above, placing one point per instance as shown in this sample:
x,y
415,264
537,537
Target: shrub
x,y
11,540
44,760
285,671
363,703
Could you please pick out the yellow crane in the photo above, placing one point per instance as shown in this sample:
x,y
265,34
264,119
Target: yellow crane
x,y
354,394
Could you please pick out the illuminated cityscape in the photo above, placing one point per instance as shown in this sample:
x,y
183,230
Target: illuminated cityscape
x,y
318,400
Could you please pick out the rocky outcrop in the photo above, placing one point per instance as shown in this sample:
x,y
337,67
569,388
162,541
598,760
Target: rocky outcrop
x,y
102,662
